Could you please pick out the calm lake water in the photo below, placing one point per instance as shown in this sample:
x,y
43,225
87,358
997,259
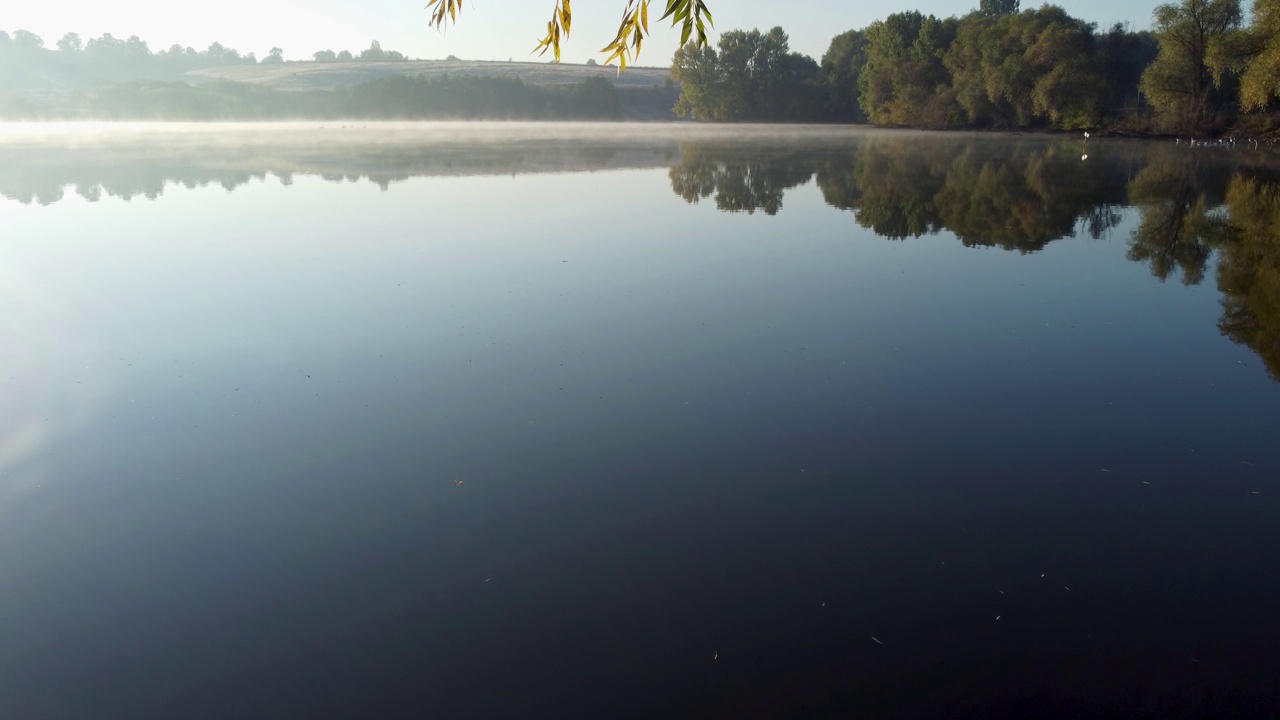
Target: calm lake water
x,y
636,421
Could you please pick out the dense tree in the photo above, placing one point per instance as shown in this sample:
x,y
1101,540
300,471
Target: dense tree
x,y
1179,83
400,97
1260,81
750,76
70,43
275,56
1123,56
596,98
1031,68
375,53
697,69
996,8
24,40
841,66
904,81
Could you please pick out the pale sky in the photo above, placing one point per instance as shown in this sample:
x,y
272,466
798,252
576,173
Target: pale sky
x,y
487,29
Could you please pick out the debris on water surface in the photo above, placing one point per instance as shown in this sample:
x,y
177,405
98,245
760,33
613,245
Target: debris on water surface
x,y
873,637
999,616
715,655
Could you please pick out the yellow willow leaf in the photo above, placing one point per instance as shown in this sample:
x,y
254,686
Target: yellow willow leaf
x,y
644,14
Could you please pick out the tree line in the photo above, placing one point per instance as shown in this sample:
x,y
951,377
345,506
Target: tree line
x,y
26,61
399,97
1200,69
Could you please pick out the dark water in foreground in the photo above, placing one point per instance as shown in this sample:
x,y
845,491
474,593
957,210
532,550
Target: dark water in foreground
x,y
875,425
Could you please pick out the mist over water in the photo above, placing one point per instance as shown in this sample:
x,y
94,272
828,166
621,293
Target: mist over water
x,y
394,420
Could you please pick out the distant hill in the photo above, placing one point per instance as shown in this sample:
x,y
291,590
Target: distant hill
x,y
312,75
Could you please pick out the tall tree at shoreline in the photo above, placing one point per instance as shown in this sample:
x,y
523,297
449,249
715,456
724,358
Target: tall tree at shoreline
x,y
1180,84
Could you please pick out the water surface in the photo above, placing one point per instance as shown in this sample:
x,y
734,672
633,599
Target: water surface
x,y
620,421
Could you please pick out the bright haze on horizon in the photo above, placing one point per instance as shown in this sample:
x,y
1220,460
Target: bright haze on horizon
x,y
487,29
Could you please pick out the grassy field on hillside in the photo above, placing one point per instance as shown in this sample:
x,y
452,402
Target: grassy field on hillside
x,y
325,75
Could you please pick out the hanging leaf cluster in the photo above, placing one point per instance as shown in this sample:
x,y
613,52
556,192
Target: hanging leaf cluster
x,y
559,24
692,15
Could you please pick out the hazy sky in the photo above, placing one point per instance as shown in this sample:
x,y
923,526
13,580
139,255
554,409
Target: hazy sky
x,y
488,29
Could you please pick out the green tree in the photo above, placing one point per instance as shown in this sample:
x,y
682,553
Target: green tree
x,y
996,8
1179,84
375,53
1123,56
27,41
275,56
750,76
904,81
841,66
70,43
1260,82
1030,68
697,69
596,97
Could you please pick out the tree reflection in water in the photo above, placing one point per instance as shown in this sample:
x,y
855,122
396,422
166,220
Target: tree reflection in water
x,y
1249,269
1192,207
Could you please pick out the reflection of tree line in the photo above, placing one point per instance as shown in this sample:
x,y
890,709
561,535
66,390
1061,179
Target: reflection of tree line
x,y
741,179
1017,197
44,174
1021,196
1012,194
